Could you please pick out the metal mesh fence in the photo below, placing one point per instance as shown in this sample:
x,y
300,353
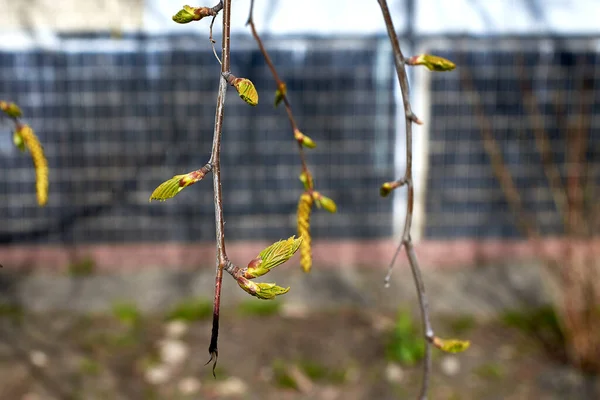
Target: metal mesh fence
x,y
118,117
521,94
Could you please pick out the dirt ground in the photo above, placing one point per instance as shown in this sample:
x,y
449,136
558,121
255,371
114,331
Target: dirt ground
x,y
266,353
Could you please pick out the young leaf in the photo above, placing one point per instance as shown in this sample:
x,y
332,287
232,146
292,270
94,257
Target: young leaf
x,y
274,255
451,345
265,291
176,184
246,90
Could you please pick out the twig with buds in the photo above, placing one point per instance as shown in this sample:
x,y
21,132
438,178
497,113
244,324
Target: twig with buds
x,y
433,63
304,141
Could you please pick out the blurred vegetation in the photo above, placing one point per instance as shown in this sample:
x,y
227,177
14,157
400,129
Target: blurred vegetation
x,y
84,267
490,371
405,344
259,308
190,310
542,324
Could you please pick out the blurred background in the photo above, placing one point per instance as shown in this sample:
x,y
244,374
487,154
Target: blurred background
x,y
104,295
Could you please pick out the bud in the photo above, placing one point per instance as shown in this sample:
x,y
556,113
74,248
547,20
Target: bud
x,y
271,257
18,140
176,184
280,93
325,202
265,291
244,87
451,345
189,14
304,140
433,63
385,189
306,180
10,109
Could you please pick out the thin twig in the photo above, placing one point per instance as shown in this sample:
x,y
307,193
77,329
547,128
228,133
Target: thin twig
x,y
215,161
212,41
280,84
407,180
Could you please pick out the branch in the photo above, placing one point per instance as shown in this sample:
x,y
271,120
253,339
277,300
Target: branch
x,y
407,180
309,196
215,161
281,92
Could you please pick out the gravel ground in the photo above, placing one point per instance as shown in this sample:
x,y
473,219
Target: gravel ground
x,y
265,353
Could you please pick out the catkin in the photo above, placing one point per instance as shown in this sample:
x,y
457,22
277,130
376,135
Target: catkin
x,y
304,209
39,163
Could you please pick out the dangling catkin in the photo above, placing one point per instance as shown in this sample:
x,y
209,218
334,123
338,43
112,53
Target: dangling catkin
x,y
304,209
39,162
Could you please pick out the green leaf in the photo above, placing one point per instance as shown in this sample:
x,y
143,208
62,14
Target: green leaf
x,y
246,90
269,291
264,291
451,345
168,189
274,255
186,15
176,184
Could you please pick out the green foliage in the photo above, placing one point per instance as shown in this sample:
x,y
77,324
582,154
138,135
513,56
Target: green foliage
x,y
281,376
11,311
490,371
533,320
462,324
541,323
127,313
190,310
259,308
84,267
321,373
405,345
89,366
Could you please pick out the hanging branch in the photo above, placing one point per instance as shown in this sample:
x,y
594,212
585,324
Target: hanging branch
x,y
215,161
310,196
272,256
433,63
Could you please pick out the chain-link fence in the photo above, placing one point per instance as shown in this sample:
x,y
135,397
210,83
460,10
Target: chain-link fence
x,y
531,104
119,116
